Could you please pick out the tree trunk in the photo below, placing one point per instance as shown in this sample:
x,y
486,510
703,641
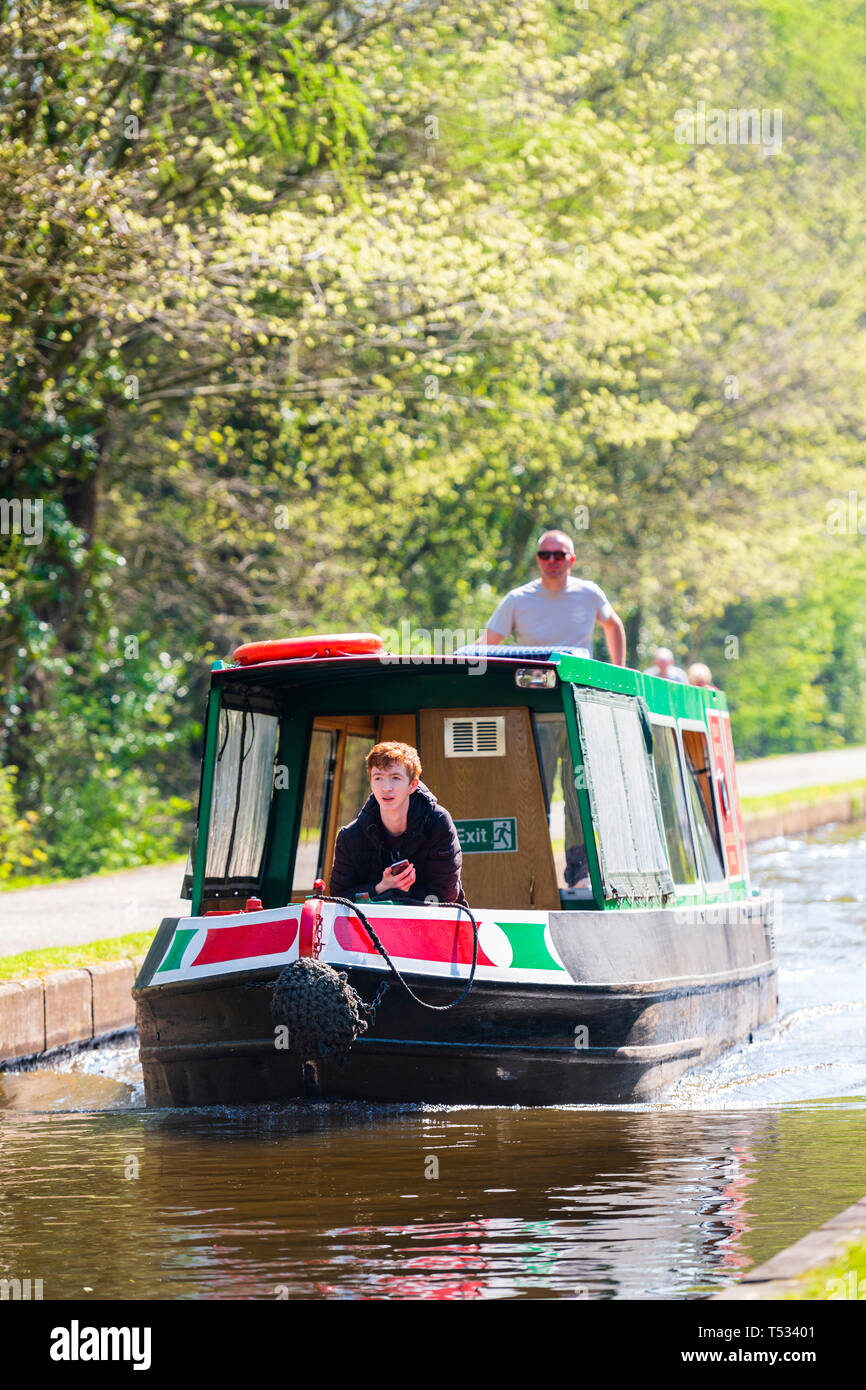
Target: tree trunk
x,y
633,624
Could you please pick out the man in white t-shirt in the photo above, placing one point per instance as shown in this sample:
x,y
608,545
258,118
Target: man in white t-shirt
x,y
558,610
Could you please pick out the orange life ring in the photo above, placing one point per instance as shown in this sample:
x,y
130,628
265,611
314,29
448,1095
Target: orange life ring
x,y
293,648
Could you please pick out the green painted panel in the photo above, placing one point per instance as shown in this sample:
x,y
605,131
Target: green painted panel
x,y
182,938
600,675
207,780
529,951
663,697
286,809
372,688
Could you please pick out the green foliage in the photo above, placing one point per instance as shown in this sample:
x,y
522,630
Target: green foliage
x,y
20,853
821,51
113,825
798,682
312,318
105,758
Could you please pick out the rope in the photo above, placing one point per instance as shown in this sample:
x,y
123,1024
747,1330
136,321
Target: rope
x,y
439,1008
321,1010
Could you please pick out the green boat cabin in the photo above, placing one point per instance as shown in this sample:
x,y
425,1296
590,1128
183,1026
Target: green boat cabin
x,y
573,783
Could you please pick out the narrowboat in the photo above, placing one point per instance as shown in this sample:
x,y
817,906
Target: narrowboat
x,y
614,939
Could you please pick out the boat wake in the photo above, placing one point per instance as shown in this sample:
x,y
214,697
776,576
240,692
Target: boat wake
x,y
107,1077
780,1066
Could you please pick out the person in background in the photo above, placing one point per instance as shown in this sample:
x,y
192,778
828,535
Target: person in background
x,y
400,824
663,665
559,610
699,674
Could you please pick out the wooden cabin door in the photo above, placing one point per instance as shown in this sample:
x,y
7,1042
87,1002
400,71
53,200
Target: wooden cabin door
x,y
337,785
498,798
336,788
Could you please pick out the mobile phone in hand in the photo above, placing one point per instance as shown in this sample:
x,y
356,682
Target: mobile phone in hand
x,y
399,867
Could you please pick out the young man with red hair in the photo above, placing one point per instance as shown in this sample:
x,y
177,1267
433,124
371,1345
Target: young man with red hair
x,y
400,821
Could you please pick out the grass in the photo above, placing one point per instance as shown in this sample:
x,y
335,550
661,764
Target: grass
x,y
803,796
40,962
845,1278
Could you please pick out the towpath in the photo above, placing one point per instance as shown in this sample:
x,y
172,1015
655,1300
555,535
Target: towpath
x,y
87,909
766,776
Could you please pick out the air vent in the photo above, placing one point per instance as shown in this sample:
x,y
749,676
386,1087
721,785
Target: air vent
x,y
478,737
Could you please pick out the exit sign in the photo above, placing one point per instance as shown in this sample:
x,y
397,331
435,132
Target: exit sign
x,y
488,836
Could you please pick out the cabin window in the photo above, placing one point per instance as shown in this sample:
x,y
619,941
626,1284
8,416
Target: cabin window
x,y
314,814
355,786
674,804
335,790
560,796
243,787
700,793
614,736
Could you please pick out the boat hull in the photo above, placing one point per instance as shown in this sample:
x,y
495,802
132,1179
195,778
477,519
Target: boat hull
x,y
638,998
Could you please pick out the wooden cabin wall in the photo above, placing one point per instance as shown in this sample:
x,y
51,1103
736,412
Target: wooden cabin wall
x,y
481,788
399,728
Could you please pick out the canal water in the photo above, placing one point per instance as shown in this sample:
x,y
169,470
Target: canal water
x,y
102,1199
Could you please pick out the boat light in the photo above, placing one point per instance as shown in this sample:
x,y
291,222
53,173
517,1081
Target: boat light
x,y
534,678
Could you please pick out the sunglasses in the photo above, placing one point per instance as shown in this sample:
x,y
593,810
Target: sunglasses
x,y
552,554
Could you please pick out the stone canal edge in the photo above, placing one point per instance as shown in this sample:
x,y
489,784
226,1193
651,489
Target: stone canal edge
x,y
784,1274
842,808
64,1008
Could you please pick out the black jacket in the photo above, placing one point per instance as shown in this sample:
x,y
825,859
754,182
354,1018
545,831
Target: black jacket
x,y
429,841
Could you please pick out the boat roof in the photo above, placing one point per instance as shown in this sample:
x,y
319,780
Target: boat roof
x,y
573,665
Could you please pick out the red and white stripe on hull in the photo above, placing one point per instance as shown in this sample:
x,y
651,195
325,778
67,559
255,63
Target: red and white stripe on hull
x,y
512,945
